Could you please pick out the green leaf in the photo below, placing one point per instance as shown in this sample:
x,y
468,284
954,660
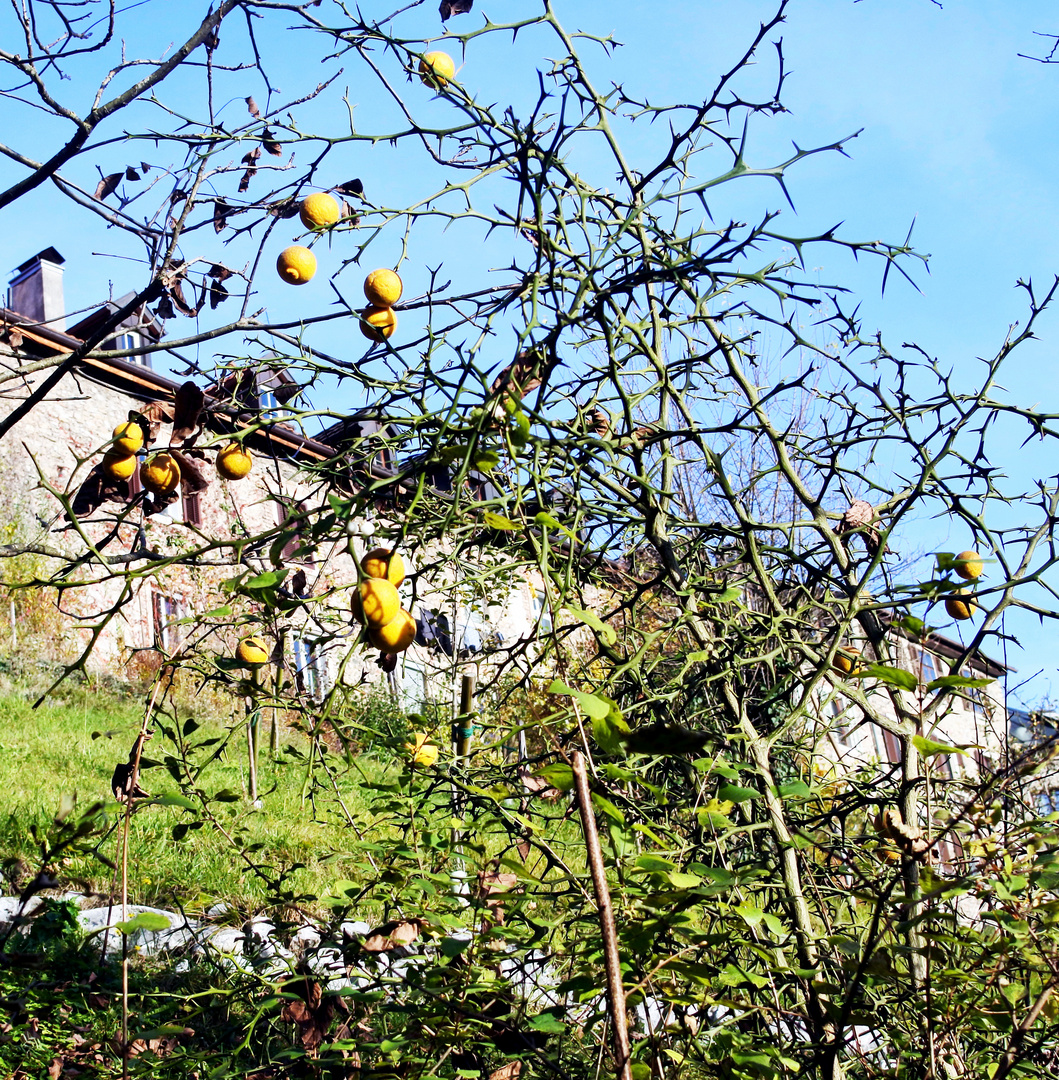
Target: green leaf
x,y
546,521
928,747
733,592
905,680
486,460
654,864
797,789
558,775
610,731
916,627
734,794
683,881
217,613
606,632
268,580
498,521
957,680
145,920
227,795
175,800
548,1024
606,807
591,705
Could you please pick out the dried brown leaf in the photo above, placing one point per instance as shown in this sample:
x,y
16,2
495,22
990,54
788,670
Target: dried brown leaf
x,y
108,184
164,308
392,934
186,411
350,187
455,7
14,337
176,291
221,210
131,173
96,490
220,273
144,167
192,475
251,106
284,208
511,1071
268,141
218,294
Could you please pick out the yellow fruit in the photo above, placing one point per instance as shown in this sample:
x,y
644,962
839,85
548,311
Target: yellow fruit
x,y
118,466
320,210
960,608
424,753
233,462
378,601
128,437
296,264
847,660
383,288
384,563
396,635
252,652
968,565
378,323
435,69
160,474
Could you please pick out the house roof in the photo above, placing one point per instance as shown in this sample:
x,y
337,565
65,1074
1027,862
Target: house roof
x,y
144,384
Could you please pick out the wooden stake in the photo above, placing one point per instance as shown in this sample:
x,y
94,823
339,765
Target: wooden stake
x,y
619,1022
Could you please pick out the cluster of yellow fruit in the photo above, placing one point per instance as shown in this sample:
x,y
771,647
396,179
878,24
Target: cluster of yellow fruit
x,y
391,628
959,605
383,289
159,474
297,264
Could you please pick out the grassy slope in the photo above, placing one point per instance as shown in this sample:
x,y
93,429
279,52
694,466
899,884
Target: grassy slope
x,y
50,752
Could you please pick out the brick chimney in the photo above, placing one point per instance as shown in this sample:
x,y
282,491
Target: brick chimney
x,y
36,290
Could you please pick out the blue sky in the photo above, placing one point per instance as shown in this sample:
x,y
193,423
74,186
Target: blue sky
x,y
958,135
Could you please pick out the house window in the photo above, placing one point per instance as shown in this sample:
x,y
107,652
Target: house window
x,y
267,403
168,611
542,615
925,665
131,339
192,508
310,667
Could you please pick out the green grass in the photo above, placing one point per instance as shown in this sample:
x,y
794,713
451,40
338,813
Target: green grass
x,y
68,748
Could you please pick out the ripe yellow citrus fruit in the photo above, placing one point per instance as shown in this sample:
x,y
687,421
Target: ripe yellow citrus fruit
x,y
424,753
959,605
396,635
128,437
969,565
378,323
117,465
233,462
436,68
252,651
847,660
296,264
383,288
384,563
320,210
378,601
160,474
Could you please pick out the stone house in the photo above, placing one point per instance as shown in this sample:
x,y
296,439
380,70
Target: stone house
x,y
48,458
